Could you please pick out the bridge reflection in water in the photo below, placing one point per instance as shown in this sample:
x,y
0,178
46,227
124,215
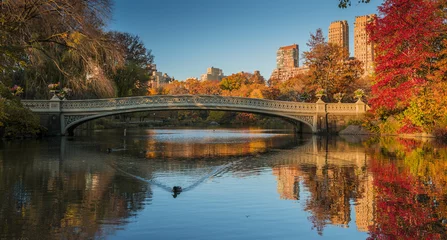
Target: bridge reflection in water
x,y
71,186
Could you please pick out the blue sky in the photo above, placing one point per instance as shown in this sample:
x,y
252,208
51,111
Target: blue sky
x,y
188,36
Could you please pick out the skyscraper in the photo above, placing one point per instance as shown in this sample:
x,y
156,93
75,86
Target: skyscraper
x,y
363,49
339,34
287,57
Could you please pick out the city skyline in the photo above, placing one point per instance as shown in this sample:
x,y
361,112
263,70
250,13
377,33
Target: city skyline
x,y
188,38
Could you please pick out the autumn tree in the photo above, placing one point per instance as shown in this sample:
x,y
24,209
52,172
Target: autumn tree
x,y
233,82
256,78
176,88
316,39
294,88
329,66
211,88
271,93
194,86
410,40
57,41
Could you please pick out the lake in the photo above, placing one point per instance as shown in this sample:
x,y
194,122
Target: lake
x,y
242,183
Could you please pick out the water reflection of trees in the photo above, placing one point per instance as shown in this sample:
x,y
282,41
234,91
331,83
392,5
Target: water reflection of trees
x,y
153,149
397,186
411,201
44,195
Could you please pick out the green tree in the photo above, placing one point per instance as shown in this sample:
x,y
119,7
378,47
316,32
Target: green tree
x,y
215,116
15,119
132,78
134,50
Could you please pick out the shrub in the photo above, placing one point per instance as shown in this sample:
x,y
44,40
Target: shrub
x,y
16,120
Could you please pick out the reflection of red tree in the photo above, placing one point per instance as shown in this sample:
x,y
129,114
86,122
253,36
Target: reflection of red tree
x,y
404,205
409,144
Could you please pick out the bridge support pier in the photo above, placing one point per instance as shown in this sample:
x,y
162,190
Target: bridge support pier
x,y
298,127
52,122
322,124
70,132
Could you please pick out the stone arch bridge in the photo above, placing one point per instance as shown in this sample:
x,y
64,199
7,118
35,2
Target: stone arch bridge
x,y
62,117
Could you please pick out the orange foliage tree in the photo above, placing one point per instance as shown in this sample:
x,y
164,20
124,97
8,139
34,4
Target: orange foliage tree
x,y
329,66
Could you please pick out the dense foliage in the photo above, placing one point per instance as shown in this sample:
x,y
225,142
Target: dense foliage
x,y
131,78
63,44
411,78
45,42
330,67
15,120
409,191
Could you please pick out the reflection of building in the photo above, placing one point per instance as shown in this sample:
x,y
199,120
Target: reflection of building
x,y
212,74
364,209
288,182
363,49
287,64
330,183
339,34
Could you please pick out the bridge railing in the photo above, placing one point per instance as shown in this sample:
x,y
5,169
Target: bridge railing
x,y
348,108
149,102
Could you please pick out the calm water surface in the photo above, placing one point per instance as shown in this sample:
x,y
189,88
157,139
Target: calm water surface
x,y
236,184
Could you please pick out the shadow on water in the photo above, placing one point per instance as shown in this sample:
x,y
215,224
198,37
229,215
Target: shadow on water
x,y
65,188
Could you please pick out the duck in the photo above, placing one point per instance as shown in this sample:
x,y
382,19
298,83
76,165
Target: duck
x,y
177,189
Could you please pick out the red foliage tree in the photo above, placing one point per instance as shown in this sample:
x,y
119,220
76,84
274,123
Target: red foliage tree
x,y
405,36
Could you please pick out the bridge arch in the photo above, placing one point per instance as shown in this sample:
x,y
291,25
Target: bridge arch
x,y
78,120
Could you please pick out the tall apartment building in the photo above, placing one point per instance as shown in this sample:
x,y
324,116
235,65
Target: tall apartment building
x,y
287,63
339,34
212,74
287,57
363,49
